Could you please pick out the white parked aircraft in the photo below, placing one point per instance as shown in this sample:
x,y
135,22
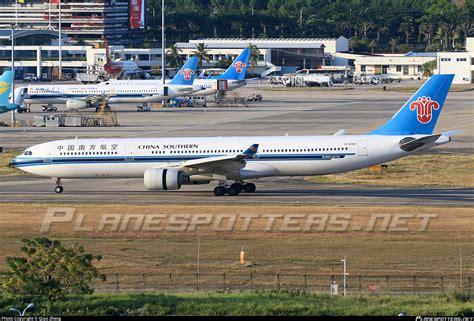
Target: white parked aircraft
x,y
235,76
86,96
168,163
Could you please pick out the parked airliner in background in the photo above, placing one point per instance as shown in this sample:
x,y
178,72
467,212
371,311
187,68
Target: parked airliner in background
x,y
121,69
6,84
235,76
87,96
168,163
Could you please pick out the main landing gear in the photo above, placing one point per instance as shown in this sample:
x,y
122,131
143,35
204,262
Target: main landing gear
x,y
59,188
234,189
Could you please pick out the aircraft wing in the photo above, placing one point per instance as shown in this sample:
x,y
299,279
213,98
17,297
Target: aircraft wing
x,y
221,165
185,90
98,98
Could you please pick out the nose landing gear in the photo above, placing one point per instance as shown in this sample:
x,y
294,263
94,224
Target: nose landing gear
x,y
59,188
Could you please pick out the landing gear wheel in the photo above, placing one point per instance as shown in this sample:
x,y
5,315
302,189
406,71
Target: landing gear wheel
x,y
249,188
59,189
219,191
234,190
237,187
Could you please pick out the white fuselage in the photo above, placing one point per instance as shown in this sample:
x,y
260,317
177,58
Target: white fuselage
x,y
277,156
206,86
118,93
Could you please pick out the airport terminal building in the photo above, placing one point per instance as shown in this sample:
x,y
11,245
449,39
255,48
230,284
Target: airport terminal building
x,y
276,55
83,21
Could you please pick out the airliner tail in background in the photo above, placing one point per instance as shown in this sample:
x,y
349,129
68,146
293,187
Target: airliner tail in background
x,y
6,87
186,74
238,68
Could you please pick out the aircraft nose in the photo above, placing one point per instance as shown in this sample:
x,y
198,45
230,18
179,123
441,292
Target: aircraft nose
x,y
15,162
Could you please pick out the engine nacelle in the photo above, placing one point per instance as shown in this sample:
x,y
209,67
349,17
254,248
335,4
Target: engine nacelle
x,y
75,104
163,179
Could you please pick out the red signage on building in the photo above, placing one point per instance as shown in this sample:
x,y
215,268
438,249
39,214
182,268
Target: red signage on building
x,y
55,1
137,14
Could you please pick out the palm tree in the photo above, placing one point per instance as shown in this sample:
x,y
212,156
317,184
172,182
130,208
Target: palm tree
x,y
201,53
372,45
393,44
427,29
382,29
366,26
174,56
466,27
407,28
254,56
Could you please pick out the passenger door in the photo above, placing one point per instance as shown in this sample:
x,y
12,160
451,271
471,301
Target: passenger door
x,y
362,148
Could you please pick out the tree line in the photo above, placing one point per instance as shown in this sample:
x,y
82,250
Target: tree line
x,y
382,25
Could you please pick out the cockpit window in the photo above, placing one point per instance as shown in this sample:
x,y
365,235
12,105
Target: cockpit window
x,y
28,153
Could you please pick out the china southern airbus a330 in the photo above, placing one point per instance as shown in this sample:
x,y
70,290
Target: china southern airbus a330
x,y
168,163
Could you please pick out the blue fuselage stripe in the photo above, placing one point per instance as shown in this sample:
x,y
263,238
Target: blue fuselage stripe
x,y
162,159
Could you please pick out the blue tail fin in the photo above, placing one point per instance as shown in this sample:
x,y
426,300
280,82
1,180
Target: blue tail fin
x,y
185,75
237,69
6,87
421,111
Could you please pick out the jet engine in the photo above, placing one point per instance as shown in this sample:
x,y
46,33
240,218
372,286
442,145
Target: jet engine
x,y
163,179
75,104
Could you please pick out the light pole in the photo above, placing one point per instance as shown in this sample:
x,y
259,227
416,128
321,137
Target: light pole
x,y
13,116
30,306
60,74
163,44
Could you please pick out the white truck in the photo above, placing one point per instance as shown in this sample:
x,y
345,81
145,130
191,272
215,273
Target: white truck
x,y
88,78
311,78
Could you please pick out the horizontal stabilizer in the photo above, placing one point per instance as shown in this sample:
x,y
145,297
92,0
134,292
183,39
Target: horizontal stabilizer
x,y
409,144
452,132
340,132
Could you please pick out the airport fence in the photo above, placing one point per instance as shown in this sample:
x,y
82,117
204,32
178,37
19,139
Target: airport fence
x,y
235,282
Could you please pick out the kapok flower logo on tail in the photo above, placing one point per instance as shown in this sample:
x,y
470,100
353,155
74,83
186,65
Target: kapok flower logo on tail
x,y
424,108
4,87
239,66
187,73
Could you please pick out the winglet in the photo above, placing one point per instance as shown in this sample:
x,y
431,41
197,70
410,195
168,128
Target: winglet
x,y
251,151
